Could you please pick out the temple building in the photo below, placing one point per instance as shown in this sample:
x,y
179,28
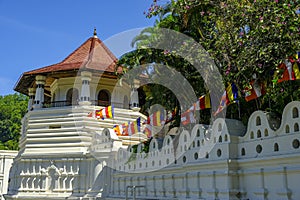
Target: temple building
x,y
65,154
58,140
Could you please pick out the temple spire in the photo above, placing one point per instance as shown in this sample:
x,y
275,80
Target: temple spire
x,y
95,32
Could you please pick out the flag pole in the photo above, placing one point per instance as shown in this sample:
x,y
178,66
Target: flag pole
x,y
239,109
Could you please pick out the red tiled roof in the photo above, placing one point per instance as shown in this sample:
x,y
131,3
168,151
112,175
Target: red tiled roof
x,y
92,54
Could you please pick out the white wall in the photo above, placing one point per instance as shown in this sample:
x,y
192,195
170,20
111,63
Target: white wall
x,y
6,160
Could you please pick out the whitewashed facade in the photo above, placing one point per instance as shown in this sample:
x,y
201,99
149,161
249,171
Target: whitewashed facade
x,y
260,164
6,160
75,160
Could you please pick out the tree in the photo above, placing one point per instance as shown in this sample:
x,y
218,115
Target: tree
x,y
12,108
248,39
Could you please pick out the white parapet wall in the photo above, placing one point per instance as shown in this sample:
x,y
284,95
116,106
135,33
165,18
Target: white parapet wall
x,y
223,161
6,160
66,155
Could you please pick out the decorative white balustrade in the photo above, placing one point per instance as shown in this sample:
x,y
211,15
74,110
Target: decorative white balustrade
x,y
224,161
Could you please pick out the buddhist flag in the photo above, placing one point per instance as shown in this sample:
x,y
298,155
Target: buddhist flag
x,y
125,127
188,117
171,115
134,127
162,118
105,113
157,119
223,103
296,70
192,117
295,66
204,102
232,93
287,74
118,129
148,130
185,118
256,90
98,114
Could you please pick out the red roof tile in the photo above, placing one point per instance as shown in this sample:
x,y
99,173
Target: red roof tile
x,y
92,54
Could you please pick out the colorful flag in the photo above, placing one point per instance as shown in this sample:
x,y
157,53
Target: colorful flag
x,y
162,118
134,127
148,130
105,113
185,118
98,114
157,119
288,73
118,129
223,103
188,117
296,70
204,102
256,90
125,129
192,117
232,93
109,111
171,115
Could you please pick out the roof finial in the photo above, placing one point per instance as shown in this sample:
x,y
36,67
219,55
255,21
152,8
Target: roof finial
x,y
95,32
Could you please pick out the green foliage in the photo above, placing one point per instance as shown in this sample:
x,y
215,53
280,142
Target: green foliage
x,y
155,93
246,38
12,108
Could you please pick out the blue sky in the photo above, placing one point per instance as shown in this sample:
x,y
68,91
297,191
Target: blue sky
x,y
37,33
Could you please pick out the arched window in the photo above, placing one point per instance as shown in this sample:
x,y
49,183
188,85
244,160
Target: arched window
x,y
258,134
296,127
198,133
251,135
72,97
226,138
219,152
276,147
103,98
295,113
220,139
287,129
207,155
258,121
125,102
243,152
266,133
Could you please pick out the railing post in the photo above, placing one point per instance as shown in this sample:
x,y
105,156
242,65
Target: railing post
x,y
134,192
126,193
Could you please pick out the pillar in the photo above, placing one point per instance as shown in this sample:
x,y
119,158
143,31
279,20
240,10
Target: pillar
x,y
39,93
85,95
31,93
134,97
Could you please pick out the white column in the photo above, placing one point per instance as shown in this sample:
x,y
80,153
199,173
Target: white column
x,y
39,94
85,88
31,93
134,97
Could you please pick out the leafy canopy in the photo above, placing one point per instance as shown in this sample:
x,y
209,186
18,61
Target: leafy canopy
x,y
246,38
12,108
